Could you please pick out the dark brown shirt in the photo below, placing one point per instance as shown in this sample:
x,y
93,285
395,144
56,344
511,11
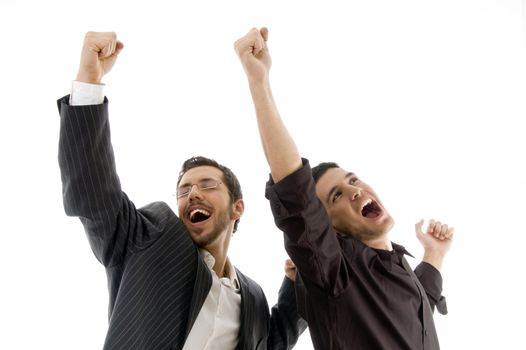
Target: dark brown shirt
x,y
352,296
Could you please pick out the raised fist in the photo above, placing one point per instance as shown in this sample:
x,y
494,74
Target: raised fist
x,y
99,54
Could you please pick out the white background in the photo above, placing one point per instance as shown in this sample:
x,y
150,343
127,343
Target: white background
x,y
423,99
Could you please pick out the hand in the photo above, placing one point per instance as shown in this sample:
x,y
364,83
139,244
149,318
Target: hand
x,y
253,52
436,241
290,270
99,53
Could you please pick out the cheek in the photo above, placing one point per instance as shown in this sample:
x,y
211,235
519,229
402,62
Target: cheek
x,y
339,217
344,218
180,208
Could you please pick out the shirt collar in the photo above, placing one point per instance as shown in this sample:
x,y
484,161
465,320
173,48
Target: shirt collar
x,y
395,256
230,271
400,250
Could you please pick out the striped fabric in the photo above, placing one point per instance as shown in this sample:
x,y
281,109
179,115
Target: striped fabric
x,y
156,278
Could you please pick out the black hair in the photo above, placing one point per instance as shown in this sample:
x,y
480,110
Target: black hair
x,y
321,169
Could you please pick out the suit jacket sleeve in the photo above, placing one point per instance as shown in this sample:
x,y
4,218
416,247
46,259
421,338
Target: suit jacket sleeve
x,y
260,330
285,323
91,188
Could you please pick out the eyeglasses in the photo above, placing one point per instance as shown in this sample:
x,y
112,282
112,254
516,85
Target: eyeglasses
x,y
203,185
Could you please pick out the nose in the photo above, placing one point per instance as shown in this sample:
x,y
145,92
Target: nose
x,y
354,192
194,192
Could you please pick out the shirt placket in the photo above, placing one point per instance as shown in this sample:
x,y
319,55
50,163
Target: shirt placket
x,y
426,313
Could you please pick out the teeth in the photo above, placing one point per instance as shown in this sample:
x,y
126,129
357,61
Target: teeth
x,y
369,201
195,211
202,211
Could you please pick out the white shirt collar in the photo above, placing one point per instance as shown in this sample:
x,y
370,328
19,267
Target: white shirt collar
x,y
230,271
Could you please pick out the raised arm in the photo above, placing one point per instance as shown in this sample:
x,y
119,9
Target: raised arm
x,y
279,147
90,185
309,238
436,240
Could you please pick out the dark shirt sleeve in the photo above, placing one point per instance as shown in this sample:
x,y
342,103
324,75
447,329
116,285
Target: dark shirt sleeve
x,y
310,239
431,280
91,188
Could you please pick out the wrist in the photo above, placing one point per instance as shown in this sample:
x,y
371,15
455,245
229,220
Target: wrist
x,y
259,85
434,257
258,79
84,77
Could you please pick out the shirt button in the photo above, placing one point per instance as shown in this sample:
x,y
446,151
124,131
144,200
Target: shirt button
x,y
425,332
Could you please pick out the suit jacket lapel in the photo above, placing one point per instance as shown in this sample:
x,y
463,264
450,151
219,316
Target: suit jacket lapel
x,y
203,283
248,305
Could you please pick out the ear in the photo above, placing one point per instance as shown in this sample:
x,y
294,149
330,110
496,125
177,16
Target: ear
x,y
238,209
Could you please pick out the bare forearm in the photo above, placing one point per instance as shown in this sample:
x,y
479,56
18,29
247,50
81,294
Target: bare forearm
x,y
279,147
433,258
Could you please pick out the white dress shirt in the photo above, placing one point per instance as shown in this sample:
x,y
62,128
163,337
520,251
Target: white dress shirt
x,y
217,324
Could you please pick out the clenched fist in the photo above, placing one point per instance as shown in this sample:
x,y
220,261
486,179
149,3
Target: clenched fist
x,y
99,53
436,240
254,55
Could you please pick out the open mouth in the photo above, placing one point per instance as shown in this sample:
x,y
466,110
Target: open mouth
x,y
199,215
371,210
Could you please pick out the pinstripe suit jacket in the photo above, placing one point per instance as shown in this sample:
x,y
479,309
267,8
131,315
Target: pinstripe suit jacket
x,y
156,278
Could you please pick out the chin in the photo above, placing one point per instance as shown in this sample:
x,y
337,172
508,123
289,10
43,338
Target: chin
x,y
378,229
389,223
385,226
201,242
199,237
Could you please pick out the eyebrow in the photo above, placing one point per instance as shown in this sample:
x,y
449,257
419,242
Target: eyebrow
x,y
198,181
333,189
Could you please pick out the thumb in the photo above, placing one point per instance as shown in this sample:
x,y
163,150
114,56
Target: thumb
x,y
264,33
418,228
118,48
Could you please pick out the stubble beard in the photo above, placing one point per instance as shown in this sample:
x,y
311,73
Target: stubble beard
x,y
223,220
368,233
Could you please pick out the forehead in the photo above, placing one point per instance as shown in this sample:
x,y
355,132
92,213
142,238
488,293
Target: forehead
x,y
200,173
332,177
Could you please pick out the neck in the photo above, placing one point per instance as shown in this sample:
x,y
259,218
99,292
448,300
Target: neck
x,y
219,260
219,266
379,243
219,250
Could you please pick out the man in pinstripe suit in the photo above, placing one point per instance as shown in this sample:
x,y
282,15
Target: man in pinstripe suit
x,y
170,281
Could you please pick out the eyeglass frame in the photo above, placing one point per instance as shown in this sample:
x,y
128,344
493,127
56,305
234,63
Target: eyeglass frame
x,y
179,195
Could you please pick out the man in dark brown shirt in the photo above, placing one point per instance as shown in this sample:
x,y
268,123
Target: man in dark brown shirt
x,y
354,286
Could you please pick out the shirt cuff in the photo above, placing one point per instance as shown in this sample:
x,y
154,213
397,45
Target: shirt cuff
x,y
83,94
284,196
431,280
